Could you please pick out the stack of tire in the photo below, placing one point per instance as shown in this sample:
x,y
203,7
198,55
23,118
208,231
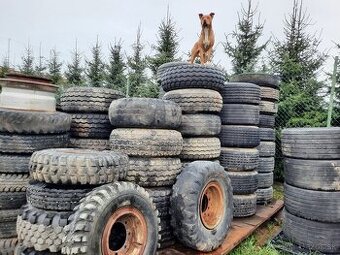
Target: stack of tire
x,y
145,131
239,138
312,188
269,85
195,88
88,107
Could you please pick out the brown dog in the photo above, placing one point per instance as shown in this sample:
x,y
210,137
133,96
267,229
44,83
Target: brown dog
x,y
203,47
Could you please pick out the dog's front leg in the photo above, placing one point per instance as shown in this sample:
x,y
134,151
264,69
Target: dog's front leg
x,y
202,57
208,55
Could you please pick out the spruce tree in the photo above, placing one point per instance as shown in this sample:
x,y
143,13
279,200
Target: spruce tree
x,y
74,72
246,51
95,70
115,70
27,66
4,68
54,67
41,67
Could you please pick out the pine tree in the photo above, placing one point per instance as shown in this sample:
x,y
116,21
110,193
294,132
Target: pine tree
x,y
95,70
115,70
74,72
41,66
245,52
4,68
54,67
27,66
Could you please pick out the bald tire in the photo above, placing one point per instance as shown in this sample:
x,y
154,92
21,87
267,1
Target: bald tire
x,y
83,234
266,164
7,246
244,205
13,190
200,125
270,94
201,148
241,93
239,159
267,134
240,114
14,163
266,149
262,79
264,196
243,182
266,120
89,143
85,125
8,220
268,107
265,180
239,136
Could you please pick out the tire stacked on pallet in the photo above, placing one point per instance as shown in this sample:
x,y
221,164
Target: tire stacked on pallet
x,y
88,107
269,85
145,131
239,138
312,188
195,88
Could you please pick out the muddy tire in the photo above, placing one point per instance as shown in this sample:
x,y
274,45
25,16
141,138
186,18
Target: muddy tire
x,y
192,202
239,159
113,206
240,114
244,205
91,144
243,182
266,165
239,136
8,220
200,125
76,166
266,149
265,80
267,134
201,148
145,113
13,190
91,126
196,100
270,94
264,196
7,246
14,164
266,121
265,180
146,142
241,93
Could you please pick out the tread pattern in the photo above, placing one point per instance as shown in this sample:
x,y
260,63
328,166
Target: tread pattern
x,y
12,190
267,134
268,107
266,149
7,246
8,220
261,79
201,148
91,144
244,205
266,164
264,196
239,136
265,180
270,94
14,164
241,93
240,114
239,159
243,182
200,125
266,121
86,125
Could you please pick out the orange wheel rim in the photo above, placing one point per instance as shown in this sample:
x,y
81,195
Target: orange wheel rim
x,y
125,233
211,207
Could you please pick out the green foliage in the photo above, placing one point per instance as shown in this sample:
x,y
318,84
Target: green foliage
x,y
27,66
41,67
74,72
4,68
54,67
249,247
95,70
148,89
245,52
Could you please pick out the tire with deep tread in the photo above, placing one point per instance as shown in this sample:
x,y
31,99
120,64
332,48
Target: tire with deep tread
x,y
265,180
200,125
83,234
239,136
32,251
77,166
268,107
244,205
264,196
14,163
262,79
91,144
7,246
267,134
185,208
266,149
162,69
243,182
270,94
13,190
266,165
241,93
239,159
8,219
266,121
201,148
240,114
86,125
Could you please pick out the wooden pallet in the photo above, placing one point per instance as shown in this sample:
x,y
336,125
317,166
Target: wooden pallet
x,y
240,229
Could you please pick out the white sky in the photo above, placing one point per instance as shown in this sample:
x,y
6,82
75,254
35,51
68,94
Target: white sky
x,y
58,23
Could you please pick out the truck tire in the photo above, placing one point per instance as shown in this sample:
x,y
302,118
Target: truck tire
x,y
240,114
267,134
239,136
14,164
268,107
266,121
91,144
241,93
266,149
8,220
201,148
270,94
265,180
239,159
262,79
264,196
266,165
200,125
7,246
244,205
13,190
243,182
85,125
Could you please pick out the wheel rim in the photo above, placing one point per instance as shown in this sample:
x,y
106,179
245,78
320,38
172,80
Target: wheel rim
x,y
211,205
125,233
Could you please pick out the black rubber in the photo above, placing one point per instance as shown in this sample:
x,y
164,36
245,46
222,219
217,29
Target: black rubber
x,y
85,125
200,125
32,251
83,234
91,144
8,219
313,174
185,206
314,235
261,79
267,134
188,75
264,196
198,148
13,190
239,159
265,180
239,136
266,165
266,149
29,122
311,143
241,93
243,182
12,143
163,68
240,114
14,163
266,121
244,205
7,246
145,113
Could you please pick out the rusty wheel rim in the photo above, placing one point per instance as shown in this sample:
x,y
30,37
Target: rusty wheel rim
x,y
211,207
125,233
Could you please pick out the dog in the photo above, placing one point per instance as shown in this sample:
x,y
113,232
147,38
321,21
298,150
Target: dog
x,y
203,47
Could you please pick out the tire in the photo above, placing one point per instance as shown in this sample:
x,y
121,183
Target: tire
x,y
91,144
313,174
11,143
8,219
86,125
29,122
267,107
145,113
319,236
315,205
311,143
191,225
243,182
88,99
201,148
239,159
146,142
196,100
266,121
265,180
241,93
262,79
55,197
239,136
163,68
200,125
240,114
42,230
31,251
270,94
192,76
266,149
264,196
153,172
14,164
244,205
266,165
12,191
267,134
7,246
84,234
76,166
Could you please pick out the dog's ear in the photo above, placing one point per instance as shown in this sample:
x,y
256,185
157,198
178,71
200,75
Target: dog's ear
x,y
200,15
212,14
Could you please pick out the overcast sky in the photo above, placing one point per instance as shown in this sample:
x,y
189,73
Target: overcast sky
x,y
57,23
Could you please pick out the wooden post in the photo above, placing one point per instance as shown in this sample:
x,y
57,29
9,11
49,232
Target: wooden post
x,y
331,99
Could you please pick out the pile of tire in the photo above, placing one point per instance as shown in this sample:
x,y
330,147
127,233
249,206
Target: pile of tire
x,y
269,85
239,138
145,130
196,89
312,188
88,107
